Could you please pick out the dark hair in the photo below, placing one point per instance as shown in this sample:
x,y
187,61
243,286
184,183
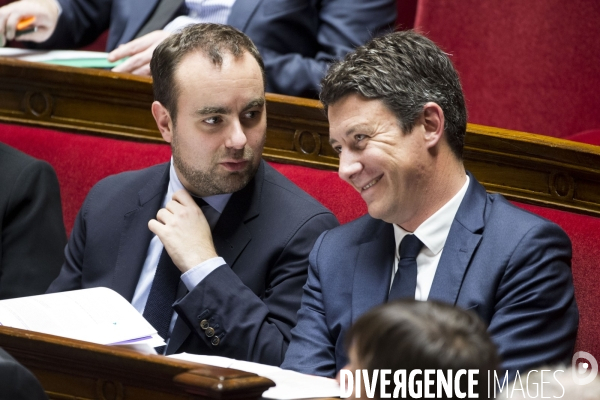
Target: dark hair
x,y
408,334
213,40
404,70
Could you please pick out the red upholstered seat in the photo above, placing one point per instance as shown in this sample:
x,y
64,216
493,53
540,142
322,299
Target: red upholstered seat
x,y
525,65
81,160
591,136
325,186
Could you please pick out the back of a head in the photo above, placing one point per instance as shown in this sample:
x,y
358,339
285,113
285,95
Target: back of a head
x,y
212,40
410,335
405,70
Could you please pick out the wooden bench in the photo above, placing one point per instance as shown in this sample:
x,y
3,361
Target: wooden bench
x,y
70,369
89,124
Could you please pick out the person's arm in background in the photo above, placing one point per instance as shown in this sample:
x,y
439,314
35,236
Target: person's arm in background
x,y
297,41
294,69
61,24
46,13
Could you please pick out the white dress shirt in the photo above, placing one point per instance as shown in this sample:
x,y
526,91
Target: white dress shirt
x,y
433,232
215,11
192,277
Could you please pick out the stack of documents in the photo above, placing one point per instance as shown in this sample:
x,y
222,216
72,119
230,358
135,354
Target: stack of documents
x,y
71,58
97,315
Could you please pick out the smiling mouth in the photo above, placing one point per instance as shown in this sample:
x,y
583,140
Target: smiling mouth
x,y
371,184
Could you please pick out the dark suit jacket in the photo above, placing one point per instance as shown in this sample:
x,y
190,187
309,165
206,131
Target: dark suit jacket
x,y
297,38
509,266
32,232
16,382
265,234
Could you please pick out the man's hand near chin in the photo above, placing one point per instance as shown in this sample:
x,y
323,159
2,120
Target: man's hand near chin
x,y
139,52
184,231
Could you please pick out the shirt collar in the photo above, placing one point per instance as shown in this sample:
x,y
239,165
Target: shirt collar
x,y
218,201
434,231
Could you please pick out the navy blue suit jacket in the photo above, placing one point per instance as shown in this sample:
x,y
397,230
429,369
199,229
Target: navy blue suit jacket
x,y
32,232
297,38
265,234
509,266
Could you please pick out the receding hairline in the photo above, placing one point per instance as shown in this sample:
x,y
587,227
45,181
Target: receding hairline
x,y
226,56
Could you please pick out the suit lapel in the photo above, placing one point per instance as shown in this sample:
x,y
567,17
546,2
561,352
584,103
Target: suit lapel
x,y
464,237
373,270
241,12
135,235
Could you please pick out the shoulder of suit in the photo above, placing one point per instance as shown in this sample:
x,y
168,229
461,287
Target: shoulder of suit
x,y
13,162
135,177
503,211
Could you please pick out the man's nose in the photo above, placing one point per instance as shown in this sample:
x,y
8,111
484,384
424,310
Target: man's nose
x,y
237,138
349,166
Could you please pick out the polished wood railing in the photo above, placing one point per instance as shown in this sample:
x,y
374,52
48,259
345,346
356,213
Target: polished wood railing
x,y
525,167
71,369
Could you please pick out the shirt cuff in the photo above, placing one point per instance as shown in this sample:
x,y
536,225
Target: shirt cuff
x,y
197,274
179,23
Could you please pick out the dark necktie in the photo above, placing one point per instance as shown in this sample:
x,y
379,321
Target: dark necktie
x,y
158,311
405,280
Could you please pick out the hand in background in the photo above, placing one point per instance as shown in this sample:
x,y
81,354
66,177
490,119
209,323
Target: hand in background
x,y
139,52
44,11
184,231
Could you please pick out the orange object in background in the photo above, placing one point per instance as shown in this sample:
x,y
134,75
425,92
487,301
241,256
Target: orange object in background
x,y
25,23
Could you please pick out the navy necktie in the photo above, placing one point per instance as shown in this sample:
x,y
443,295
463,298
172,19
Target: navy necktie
x,y
158,311
405,280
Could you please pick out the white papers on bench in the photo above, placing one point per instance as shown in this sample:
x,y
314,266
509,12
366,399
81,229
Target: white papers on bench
x,y
289,384
97,315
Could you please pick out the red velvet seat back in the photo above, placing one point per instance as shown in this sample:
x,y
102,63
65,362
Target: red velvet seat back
x,y
81,160
525,65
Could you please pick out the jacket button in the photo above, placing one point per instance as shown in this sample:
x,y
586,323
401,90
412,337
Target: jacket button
x,y
210,332
215,341
204,324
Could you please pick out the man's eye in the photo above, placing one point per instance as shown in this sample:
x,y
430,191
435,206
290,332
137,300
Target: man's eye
x,y
251,114
213,120
360,137
337,149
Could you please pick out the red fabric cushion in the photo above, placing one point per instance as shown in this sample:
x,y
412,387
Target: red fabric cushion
x,y
524,65
81,160
590,137
584,232
327,188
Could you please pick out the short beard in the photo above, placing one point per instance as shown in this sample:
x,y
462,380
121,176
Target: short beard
x,y
211,182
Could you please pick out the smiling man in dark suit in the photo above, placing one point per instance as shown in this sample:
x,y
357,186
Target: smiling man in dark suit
x,y
232,235
398,120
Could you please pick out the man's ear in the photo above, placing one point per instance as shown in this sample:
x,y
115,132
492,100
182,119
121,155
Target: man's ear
x,y
433,121
163,121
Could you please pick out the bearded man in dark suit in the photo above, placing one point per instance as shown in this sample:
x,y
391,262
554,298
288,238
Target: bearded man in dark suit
x,y
212,247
